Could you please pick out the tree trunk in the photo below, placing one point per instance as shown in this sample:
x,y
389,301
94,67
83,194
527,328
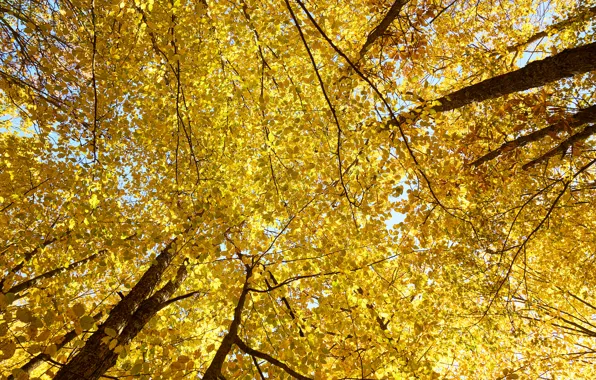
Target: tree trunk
x,y
89,362
566,64
147,310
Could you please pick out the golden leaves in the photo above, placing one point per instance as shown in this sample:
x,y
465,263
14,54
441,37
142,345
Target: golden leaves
x,y
217,132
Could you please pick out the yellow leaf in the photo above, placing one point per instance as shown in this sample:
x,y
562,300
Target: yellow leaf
x,y
51,349
93,202
87,322
136,368
8,349
24,315
79,309
49,318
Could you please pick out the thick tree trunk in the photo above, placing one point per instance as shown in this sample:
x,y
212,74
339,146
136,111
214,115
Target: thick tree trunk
x,y
89,362
566,64
147,310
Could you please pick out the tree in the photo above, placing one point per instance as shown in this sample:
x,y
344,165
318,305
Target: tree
x,y
203,189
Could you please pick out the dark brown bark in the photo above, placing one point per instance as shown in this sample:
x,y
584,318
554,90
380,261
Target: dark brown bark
x,y
37,360
584,116
214,370
383,25
566,64
270,359
88,363
564,146
147,310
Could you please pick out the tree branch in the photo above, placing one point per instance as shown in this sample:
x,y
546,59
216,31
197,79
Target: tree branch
x,y
584,116
383,25
180,298
585,15
249,351
564,146
29,283
566,64
214,370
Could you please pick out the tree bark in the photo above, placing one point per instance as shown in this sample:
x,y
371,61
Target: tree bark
x,y
382,27
564,146
147,310
88,363
566,64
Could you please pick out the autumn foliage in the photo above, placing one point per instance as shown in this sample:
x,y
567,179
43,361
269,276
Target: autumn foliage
x,y
297,189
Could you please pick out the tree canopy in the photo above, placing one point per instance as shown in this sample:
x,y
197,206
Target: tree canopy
x,y
297,189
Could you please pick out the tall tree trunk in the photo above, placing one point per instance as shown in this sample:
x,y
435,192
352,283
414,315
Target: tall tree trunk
x,y
566,64
147,310
88,363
